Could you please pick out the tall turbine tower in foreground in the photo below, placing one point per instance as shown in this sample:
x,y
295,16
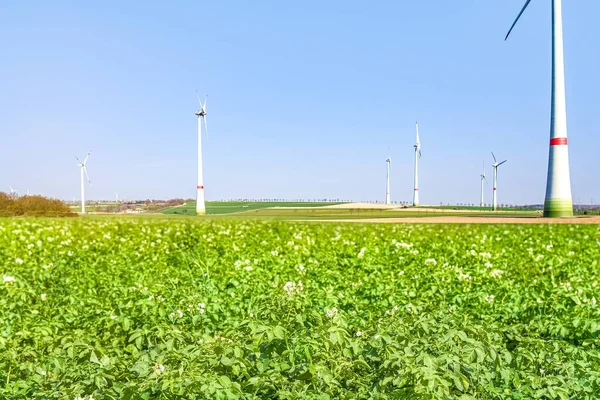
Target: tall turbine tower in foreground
x,y
83,169
483,182
417,156
388,199
495,165
558,202
201,114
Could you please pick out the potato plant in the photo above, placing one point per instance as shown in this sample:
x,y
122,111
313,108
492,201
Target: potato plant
x,y
143,309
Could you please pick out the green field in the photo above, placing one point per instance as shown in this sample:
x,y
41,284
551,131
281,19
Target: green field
x,y
317,211
229,207
182,308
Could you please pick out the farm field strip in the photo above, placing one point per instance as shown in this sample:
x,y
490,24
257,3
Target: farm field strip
x,y
239,309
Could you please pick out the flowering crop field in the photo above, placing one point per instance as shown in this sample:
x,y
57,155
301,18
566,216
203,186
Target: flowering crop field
x,y
144,309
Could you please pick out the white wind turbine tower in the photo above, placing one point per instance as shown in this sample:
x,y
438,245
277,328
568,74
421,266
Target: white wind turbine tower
x,y
495,165
83,168
558,202
13,192
417,146
483,182
201,114
388,199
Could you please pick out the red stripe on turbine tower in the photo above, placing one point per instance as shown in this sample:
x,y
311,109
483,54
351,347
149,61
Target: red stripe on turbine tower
x,y
558,141
200,187
416,190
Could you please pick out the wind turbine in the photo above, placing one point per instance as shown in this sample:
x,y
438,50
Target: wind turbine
x,y
495,165
201,114
388,199
116,197
558,202
483,182
13,192
83,169
417,146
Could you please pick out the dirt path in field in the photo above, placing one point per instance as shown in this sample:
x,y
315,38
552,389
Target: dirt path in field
x,y
474,220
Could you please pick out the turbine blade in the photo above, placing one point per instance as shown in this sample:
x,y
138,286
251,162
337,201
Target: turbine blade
x,y
205,127
86,175
502,162
199,101
86,157
418,140
516,20
494,157
204,106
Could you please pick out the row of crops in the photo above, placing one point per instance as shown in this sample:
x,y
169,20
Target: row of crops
x,y
95,309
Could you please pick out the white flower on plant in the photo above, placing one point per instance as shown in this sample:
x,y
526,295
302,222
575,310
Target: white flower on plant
x,y
489,298
359,333
464,277
19,261
248,268
361,254
332,312
292,288
159,369
43,296
8,278
496,273
431,261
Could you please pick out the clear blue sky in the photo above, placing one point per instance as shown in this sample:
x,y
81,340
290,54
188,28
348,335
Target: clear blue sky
x,y
304,97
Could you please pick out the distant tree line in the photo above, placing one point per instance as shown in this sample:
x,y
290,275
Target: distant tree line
x,y
32,206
